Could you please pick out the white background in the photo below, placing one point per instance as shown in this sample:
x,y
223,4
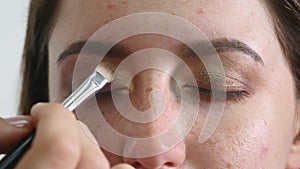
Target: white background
x,y
13,17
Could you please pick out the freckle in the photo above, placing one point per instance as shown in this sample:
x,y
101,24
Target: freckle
x,y
201,11
265,122
211,142
229,166
111,5
172,13
148,89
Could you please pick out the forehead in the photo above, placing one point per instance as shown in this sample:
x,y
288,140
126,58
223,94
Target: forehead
x,y
229,18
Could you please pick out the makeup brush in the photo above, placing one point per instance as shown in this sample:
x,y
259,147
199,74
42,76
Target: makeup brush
x,y
102,75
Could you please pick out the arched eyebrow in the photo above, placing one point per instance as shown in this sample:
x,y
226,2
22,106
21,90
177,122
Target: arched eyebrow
x,y
228,45
220,45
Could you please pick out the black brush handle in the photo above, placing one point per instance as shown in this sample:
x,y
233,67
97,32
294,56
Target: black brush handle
x,y
12,158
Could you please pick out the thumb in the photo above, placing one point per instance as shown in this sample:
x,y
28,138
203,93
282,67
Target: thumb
x,y
12,130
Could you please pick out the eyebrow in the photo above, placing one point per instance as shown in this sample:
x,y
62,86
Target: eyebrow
x,y
221,45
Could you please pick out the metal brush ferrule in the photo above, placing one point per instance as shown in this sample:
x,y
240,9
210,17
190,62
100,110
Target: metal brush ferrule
x,y
92,84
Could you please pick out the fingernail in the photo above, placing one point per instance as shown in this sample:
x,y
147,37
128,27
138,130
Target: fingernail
x,y
122,166
20,121
88,132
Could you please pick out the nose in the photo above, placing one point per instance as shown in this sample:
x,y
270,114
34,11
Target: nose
x,y
170,159
153,79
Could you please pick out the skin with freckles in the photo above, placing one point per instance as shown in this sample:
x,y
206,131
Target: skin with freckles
x,y
257,128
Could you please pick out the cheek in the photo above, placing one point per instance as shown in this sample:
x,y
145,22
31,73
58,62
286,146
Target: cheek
x,y
237,142
255,133
141,130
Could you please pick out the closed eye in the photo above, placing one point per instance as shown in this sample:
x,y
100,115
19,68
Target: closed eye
x,y
230,95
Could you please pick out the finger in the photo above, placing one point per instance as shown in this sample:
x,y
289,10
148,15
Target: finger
x,y
91,155
56,143
122,166
12,131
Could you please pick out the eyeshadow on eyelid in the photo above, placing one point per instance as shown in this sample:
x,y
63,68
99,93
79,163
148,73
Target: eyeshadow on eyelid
x,y
240,70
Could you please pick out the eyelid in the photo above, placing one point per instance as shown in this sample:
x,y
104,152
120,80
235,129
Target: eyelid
x,y
231,95
235,89
108,88
219,82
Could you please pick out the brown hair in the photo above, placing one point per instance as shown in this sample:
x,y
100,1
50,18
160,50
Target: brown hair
x,y
41,13
286,18
35,54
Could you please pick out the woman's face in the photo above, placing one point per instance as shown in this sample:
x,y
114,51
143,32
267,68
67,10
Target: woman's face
x,y
258,124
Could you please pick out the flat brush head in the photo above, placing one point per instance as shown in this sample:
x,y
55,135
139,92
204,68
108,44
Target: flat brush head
x,y
106,69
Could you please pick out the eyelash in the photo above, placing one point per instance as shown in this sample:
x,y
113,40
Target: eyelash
x,y
205,94
105,94
231,96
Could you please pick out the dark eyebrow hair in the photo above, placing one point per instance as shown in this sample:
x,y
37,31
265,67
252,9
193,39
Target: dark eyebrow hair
x,y
92,47
232,45
221,45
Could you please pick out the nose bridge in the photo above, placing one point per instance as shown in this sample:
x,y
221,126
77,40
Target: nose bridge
x,y
144,84
152,93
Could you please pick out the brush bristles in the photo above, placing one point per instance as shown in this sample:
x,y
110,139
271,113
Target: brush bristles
x,y
107,70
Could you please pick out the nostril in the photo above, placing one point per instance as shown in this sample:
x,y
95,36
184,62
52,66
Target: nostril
x,y
136,165
170,164
171,159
